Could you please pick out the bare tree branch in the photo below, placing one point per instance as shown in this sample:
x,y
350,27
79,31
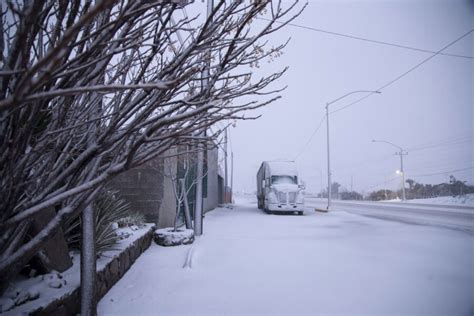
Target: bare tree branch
x,y
90,89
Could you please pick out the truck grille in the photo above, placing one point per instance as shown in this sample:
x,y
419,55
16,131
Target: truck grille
x,y
287,198
282,197
292,196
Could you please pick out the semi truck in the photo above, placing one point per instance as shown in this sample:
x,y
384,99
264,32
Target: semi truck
x,y
278,189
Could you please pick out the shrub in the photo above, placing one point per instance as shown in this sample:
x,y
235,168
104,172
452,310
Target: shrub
x,y
108,209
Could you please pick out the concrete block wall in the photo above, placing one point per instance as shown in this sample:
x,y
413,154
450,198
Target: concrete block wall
x,y
149,188
149,191
212,199
168,200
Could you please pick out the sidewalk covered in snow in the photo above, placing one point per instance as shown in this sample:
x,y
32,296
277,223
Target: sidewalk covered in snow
x,y
251,263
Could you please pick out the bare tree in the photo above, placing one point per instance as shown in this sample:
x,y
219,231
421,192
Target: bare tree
x,y
92,89
185,180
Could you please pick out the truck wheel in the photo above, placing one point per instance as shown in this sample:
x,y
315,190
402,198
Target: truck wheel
x,y
300,213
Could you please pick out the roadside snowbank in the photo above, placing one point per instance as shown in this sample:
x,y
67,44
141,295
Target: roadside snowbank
x,y
467,199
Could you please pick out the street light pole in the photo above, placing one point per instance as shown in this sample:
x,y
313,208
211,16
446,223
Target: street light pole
x,y
226,180
327,126
403,173
329,157
231,176
320,183
400,153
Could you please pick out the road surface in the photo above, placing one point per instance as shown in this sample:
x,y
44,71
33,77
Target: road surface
x,y
447,216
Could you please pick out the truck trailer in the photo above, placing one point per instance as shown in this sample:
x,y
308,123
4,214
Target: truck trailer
x,y
278,189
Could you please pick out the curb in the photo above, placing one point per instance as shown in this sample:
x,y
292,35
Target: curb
x,y
322,210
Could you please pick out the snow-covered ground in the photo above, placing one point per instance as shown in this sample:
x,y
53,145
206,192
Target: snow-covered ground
x,y
467,199
251,263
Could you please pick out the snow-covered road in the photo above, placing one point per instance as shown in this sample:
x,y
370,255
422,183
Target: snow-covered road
x,y
251,263
460,217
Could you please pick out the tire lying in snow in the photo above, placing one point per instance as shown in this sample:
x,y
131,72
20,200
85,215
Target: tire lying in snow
x,y
167,237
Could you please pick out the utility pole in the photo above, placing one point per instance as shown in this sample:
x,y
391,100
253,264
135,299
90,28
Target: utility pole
x,y
200,155
320,183
231,176
327,125
329,157
226,174
400,153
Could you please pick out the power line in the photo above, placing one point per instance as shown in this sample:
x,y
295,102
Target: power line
x,y
380,183
439,52
405,73
382,158
386,85
446,164
460,142
367,39
383,171
420,175
452,141
450,138
363,163
444,172
311,138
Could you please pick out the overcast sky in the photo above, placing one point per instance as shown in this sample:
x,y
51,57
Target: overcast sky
x,y
429,107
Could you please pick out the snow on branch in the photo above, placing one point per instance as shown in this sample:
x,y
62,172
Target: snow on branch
x,y
90,89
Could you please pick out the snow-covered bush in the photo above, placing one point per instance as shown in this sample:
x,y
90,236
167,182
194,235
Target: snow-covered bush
x,y
109,208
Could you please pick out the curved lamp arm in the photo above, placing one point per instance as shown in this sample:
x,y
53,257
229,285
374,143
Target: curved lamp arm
x,y
384,141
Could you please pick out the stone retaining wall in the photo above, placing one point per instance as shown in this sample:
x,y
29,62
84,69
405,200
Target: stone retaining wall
x,y
106,278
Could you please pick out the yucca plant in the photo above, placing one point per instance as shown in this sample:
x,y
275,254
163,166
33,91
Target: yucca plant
x,y
108,209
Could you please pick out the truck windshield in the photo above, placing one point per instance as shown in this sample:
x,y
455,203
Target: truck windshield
x,y
283,179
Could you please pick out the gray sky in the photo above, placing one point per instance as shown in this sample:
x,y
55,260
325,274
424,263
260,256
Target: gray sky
x,y
430,107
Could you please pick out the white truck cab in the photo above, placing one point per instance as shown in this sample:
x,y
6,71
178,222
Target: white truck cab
x,y
278,189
